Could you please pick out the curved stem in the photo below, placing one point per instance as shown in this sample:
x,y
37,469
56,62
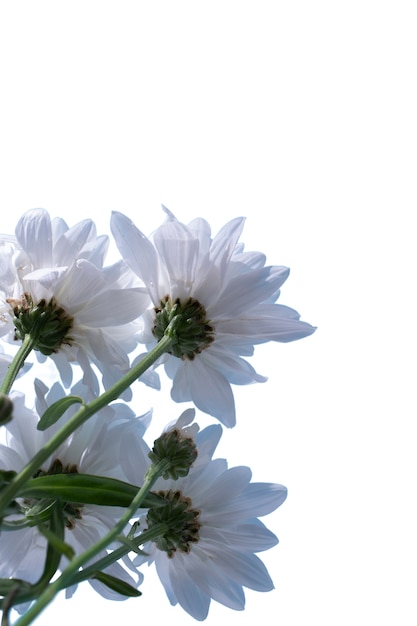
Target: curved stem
x,y
24,592
148,535
17,363
11,490
66,577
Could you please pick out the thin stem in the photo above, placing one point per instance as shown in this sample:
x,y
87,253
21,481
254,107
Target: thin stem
x,y
66,577
17,363
30,591
148,535
82,415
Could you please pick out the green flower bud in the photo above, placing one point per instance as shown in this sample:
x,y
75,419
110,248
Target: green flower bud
x,y
179,449
6,409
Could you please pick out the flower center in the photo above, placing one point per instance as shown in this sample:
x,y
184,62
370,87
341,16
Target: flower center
x,y
71,510
46,322
181,519
193,330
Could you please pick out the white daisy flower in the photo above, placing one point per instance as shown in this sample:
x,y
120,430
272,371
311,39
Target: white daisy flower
x,y
210,550
92,449
226,296
58,272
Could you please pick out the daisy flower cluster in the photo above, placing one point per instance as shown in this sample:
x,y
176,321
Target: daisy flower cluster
x,y
82,495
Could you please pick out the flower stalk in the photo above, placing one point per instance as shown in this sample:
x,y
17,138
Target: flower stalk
x,y
19,359
205,303
86,411
66,578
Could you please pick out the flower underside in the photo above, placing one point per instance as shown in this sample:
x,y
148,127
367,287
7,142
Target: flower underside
x,y
181,521
46,322
180,450
192,329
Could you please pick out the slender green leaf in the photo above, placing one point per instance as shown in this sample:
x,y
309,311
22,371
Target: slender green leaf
x,y
129,543
56,544
86,489
117,585
57,410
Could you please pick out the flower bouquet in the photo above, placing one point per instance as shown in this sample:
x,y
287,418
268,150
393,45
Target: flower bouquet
x,y
82,496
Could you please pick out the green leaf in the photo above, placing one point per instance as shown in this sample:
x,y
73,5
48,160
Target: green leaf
x,y
57,410
86,489
56,544
117,585
130,544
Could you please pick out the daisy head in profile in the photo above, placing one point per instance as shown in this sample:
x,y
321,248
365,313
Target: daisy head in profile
x,y
55,289
223,300
93,449
208,532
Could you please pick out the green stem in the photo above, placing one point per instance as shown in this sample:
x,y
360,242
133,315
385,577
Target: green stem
x,y
148,535
68,574
18,362
10,491
27,592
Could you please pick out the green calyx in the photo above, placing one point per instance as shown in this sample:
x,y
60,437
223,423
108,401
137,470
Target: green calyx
x,y
193,332
179,450
46,322
181,520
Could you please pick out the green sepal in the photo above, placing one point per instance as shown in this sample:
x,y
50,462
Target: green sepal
x,y
120,586
129,543
86,489
57,410
41,512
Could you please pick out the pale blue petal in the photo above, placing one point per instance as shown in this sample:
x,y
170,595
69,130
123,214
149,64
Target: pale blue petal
x,y
181,385
69,245
213,581
34,234
282,324
248,536
179,250
246,569
225,241
207,441
113,307
200,228
138,252
237,371
10,459
95,251
210,391
256,499
223,493
191,597
244,292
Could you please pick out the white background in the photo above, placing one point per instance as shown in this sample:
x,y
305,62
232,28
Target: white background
x,y
301,116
